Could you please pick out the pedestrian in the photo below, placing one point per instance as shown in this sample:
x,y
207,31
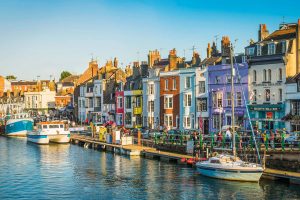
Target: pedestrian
x,y
272,138
219,139
228,136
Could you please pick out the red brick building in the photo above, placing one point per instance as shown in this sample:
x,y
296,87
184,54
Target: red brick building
x,y
169,99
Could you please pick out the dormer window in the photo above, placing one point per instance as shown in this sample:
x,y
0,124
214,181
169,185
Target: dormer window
x,y
271,49
250,51
258,50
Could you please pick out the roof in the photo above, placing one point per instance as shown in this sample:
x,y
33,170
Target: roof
x,y
282,34
211,61
24,83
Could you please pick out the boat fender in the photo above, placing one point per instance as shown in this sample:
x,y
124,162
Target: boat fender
x,y
183,160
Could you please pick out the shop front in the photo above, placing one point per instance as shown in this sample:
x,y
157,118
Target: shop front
x,y
267,116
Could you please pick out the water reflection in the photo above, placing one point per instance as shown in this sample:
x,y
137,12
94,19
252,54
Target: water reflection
x,y
71,172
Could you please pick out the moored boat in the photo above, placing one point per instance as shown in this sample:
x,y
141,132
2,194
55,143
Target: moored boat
x,y
49,132
228,167
18,125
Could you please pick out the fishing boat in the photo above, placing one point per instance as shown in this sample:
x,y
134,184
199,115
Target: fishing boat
x,y
230,167
18,125
49,132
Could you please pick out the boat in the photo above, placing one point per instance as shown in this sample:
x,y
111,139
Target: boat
x,y
231,167
18,125
49,132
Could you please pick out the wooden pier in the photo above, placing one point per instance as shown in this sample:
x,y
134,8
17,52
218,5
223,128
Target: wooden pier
x,y
152,153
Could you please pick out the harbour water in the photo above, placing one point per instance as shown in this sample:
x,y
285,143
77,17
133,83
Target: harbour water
x,y
29,171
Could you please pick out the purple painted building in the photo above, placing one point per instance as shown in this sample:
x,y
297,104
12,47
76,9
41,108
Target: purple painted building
x,y
219,87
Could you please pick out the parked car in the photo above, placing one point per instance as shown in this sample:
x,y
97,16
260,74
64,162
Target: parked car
x,y
154,133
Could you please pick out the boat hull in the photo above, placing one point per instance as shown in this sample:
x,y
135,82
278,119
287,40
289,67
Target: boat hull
x,y
18,127
62,138
38,139
233,175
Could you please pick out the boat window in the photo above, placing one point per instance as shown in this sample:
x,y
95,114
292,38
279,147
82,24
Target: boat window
x,y
39,126
54,126
61,126
215,161
45,126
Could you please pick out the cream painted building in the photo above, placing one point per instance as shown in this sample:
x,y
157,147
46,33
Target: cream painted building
x,y
40,102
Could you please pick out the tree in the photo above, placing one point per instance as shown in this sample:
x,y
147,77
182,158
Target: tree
x,y
64,75
11,77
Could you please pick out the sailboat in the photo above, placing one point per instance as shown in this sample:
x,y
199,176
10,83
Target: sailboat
x,y
231,167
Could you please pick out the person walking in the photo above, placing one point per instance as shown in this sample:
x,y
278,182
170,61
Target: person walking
x,y
272,138
228,136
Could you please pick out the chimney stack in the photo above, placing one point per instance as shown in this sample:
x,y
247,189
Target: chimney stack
x,y
208,51
262,32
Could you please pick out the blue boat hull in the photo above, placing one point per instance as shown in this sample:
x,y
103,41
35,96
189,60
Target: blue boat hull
x,y
18,127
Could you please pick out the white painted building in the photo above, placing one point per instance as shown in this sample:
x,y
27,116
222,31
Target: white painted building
x,y
151,99
40,102
292,106
202,115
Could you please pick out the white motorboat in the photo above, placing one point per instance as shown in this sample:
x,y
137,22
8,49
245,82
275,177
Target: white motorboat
x,y
49,132
229,168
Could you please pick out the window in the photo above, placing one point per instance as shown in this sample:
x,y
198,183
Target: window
x,y
120,102
151,89
228,99
168,120
220,99
214,99
128,118
239,98
128,102
250,51
271,49
201,86
187,82
98,102
150,106
218,79
228,79
217,121
138,102
174,84
269,75
166,84
265,75
258,48
254,95
280,94
187,122
254,76
228,120
295,107
119,119
283,46
298,85
91,103
267,95
187,100
168,102
202,105
280,74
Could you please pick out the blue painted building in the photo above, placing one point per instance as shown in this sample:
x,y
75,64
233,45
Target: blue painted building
x,y
187,98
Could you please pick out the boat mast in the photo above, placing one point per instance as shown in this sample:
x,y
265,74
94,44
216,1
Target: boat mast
x,y
232,102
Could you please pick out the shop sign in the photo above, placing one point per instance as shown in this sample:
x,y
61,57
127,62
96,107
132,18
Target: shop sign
x,y
269,115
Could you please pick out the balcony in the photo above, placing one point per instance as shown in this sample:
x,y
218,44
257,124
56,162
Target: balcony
x,y
137,110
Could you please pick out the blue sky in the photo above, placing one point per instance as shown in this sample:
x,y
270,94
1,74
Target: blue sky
x,y
45,37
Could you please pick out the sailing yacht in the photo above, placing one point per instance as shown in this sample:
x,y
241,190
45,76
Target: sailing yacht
x,y
230,167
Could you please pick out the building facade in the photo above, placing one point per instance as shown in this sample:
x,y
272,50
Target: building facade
x,y
292,108
219,86
271,60
169,99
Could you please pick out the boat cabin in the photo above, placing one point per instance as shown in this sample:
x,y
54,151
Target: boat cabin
x,y
51,125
